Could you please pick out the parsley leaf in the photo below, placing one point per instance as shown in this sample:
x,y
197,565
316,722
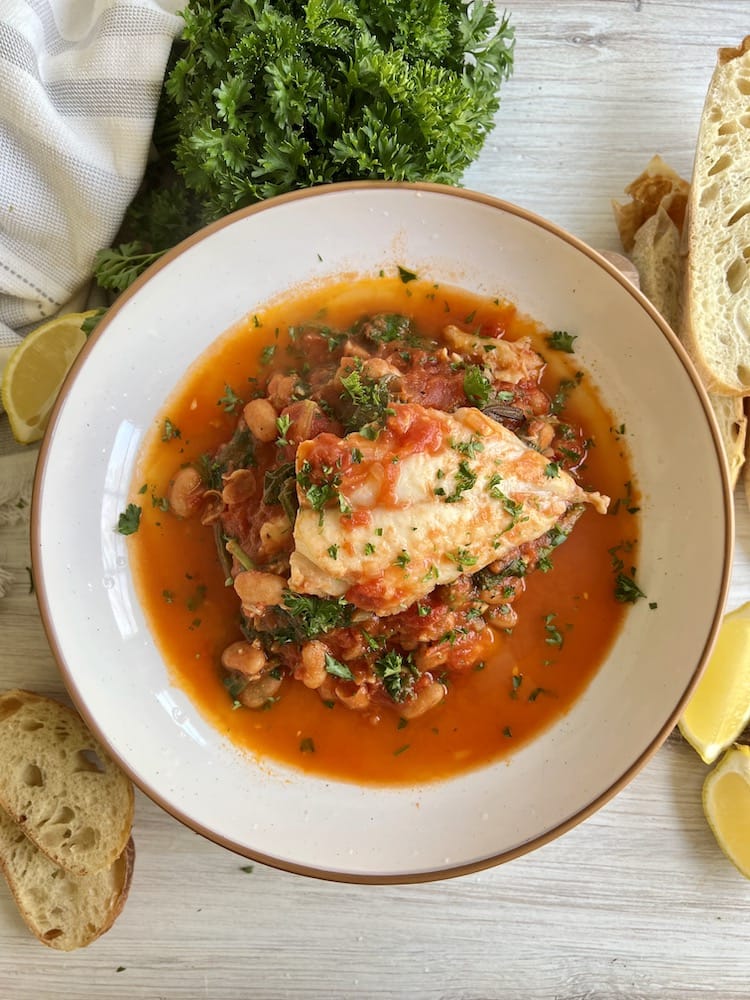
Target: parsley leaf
x,y
559,340
129,520
477,386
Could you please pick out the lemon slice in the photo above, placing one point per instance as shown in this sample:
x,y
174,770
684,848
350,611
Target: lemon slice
x,y
726,804
719,708
35,371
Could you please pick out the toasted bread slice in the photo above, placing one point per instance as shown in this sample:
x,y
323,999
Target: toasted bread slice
x,y
64,911
60,786
717,275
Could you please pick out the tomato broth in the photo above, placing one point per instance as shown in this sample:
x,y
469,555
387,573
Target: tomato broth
x,y
530,676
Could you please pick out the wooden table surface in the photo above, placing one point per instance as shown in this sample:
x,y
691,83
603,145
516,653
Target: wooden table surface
x,y
635,902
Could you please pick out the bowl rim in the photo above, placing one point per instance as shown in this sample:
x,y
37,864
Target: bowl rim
x,y
658,739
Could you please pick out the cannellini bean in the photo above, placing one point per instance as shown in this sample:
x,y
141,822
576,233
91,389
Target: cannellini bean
x,y
238,487
257,590
357,701
312,668
185,492
256,693
432,657
245,657
427,698
260,417
281,390
274,534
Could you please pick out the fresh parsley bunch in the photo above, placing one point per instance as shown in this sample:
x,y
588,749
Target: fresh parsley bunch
x,y
270,95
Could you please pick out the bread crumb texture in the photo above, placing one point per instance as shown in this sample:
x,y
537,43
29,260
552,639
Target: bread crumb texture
x,y
718,267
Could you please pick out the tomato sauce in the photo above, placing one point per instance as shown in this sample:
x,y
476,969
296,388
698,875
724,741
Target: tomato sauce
x,y
568,616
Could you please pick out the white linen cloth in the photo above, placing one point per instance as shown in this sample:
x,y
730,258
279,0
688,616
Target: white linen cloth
x,y
79,86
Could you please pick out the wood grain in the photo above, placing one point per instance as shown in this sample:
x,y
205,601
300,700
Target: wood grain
x,y
637,902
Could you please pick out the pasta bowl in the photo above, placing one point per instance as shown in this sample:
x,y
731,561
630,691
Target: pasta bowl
x,y
323,824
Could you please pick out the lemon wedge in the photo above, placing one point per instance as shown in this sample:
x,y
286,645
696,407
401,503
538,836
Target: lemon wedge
x,y
719,708
726,804
35,371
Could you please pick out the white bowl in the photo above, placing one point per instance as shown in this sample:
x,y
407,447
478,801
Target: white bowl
x,y
102,641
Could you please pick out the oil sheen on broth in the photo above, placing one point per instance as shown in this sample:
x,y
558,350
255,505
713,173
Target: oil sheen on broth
x,y
522,677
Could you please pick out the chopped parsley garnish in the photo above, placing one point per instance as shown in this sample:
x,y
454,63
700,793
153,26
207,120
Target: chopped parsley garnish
x,y
462,557
627,590
309,616
230,400
559,340
283,423
552,470
477,386
336,668
403,559
319,494
405,275
563,391
129,520
267,354
368,399
169,431
464,480
554,635
333,551
398,673
470,448
369,548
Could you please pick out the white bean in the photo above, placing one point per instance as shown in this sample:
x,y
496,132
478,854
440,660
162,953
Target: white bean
x,y
427,698
185,492
244,657
260,417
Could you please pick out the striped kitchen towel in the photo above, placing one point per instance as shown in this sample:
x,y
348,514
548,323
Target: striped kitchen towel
x,y
79,85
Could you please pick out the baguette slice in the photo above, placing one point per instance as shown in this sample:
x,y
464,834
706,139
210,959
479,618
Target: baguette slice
x,y
60,786
717,275
64,911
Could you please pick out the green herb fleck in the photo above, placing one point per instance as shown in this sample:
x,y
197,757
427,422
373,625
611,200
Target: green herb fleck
x,y
230,400
129,520
405,275
559,340
170,431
